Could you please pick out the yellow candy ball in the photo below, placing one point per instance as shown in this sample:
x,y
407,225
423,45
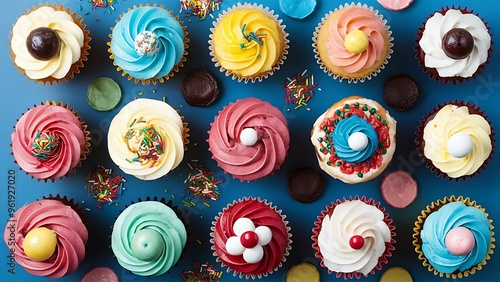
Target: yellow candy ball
x,y
356,41
40,243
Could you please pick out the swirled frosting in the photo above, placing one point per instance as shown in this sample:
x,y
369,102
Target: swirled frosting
x,y
148,215
261,214
453,119
439,223
249,162
170,38
344,129
237,52
69,32
356,18
71,235
431,43
145,139
48,141
348,219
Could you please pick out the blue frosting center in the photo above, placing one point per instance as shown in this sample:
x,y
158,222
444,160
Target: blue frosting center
x,y
341,134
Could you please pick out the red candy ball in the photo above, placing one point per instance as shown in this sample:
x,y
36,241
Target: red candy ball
x,y
249,239
356,242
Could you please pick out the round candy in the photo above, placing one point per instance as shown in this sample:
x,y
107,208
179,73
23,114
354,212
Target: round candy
x,y
357,141
104,94
305,184
265,235
199,88
356,242
234,246
459,241
253,255
395,5
40,243
146,44
147,244
297,9
399,189
43,43
249,136
101,274
249,239
457,43
303,272
243,225
396,274
459,145
356,41
400,92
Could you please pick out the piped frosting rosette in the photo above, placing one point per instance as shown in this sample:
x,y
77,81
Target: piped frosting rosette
x,y
48,228
249,139
453,237
148,44
70,35
455,140
146,139
251,237
353,237
148,238
449,62
49,141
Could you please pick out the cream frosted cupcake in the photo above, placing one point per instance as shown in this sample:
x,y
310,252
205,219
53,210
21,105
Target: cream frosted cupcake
x,y
453,237
148,44
49,141
49,44
353,237
248,42
353,42
146,138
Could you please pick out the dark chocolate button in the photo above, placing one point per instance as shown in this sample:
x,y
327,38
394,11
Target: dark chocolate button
x,y
200,88
400,92
305,184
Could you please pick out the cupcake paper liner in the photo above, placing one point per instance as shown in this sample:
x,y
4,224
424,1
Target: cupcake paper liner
x,y
389,246
420,143
246,275
417,241
75,68
270,14
85,149
153,80
432,72
339,77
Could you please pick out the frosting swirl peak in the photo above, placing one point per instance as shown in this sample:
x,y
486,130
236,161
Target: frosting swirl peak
x,y
345,128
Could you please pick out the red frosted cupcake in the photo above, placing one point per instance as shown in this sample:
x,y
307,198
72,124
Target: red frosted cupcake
x,y
438,51
455,140
353,237
251,237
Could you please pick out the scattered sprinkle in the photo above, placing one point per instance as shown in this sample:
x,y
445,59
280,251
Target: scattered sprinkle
x,y
299,89
198,241
199,8
104,184
141,93
202,185
201,273
87,209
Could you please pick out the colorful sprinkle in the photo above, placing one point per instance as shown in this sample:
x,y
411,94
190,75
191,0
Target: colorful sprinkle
x,y
199,8
299,90
144,141
104,184
44,145
202,273
251,36
202,185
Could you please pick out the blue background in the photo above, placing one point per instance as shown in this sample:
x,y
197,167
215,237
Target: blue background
x,y
20,94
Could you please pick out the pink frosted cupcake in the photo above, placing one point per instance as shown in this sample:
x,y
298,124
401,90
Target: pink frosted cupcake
x,y
251,237
353,237
249,139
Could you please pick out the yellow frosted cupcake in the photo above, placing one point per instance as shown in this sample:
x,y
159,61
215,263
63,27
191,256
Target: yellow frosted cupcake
x,y
248,42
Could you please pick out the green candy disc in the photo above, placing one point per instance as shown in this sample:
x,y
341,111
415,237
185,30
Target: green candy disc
x,y
104,94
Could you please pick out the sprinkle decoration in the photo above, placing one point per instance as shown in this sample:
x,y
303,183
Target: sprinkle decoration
x,y
145,141
202,185
201,273
299,89
104,185
102,3
199,8
251,36
45,145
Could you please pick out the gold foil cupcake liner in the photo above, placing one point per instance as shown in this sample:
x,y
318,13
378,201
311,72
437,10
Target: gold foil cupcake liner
x,y
349,79
419,224
153,80
75,67
259,77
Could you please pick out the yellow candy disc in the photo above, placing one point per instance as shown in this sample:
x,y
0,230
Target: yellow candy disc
x,y
303,272
40,243
396,274
356,41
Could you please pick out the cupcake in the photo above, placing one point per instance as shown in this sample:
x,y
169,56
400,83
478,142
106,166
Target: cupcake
x,y
353,42
47,237
248,42
453,237
147,138
148,237
354,139
455,140
49,141
148,44
453,45
249,139
353,237
251,238
49,44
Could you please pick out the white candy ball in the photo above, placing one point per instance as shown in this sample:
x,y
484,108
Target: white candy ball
x,y
243,225
234,246
265,235
146,44
460,145
254,254
357,141
248,136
